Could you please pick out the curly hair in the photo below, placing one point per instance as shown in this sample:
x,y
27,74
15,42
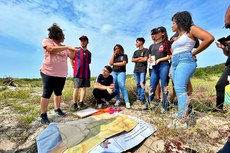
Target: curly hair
x,y
121,49
55,32
183,20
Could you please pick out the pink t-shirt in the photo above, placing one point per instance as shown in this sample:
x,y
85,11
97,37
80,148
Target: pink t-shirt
x,y
54,64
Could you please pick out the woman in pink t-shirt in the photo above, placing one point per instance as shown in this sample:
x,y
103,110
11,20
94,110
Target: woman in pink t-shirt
x,y
54,70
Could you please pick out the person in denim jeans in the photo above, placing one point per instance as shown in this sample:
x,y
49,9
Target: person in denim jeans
x,y
140,58
183,59
119,60
158,57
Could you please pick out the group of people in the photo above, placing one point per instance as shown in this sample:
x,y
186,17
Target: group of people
x,y
175,58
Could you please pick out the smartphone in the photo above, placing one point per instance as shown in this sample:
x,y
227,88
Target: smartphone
x,y
222,40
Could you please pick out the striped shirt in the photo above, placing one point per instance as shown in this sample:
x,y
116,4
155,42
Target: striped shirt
x,y
82,60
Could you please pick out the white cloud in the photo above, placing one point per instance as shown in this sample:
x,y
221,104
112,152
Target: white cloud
x,y
106,29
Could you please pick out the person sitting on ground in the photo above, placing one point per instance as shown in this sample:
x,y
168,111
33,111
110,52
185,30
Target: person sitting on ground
x,y
103,87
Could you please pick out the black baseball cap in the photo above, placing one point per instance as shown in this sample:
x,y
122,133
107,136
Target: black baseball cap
x,y
83,37
159,29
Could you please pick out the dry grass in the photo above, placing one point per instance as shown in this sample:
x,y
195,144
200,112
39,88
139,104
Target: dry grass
x,y
24,101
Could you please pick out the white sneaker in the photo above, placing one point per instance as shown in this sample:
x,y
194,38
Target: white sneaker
x,y
177,124
117,103
127,105
99,106
162,110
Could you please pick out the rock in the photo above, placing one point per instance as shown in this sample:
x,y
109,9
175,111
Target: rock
x,y
7,146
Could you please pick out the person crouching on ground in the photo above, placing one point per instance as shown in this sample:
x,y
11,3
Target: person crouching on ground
x,y
104,87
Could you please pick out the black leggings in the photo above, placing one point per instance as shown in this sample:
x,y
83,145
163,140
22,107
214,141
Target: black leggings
x,y
52,84
220,87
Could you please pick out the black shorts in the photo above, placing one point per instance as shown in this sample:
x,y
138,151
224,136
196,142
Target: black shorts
x,y
81,83
52,84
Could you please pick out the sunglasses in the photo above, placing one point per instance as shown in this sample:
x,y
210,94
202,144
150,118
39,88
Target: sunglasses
x,y
227,26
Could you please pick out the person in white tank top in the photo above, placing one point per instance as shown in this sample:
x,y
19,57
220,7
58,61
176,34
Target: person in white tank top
x,y
183,60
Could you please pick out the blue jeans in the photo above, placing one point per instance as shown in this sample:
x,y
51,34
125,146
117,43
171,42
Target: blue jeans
x,y
160,72
140,81
183,66
119,79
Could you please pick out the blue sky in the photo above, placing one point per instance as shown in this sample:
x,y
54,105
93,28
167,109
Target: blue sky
x,y
24,24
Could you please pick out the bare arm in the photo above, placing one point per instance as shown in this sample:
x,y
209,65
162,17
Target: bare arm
x,y
135,59
143,59
123,63
55,48
72,63
227,16
224,48
72,52
163,59
103,87
111,61
204,36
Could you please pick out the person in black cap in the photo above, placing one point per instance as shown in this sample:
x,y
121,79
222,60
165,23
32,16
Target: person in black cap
x,y
159,54
104,87
81,73
158,88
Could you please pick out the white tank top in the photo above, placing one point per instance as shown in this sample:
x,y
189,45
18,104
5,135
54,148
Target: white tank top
x,y
183,44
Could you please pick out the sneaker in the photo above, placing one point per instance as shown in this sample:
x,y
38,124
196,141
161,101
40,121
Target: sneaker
x,y
99,106
117,103
59,112
138,101
177,124
145,108
44,119
82,105
162,110
127,104
75,107
143,102
217,110
174,115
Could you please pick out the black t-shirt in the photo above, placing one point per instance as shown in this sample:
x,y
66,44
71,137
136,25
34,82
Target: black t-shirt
x,y
120,58
157,50
140,66
104,81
